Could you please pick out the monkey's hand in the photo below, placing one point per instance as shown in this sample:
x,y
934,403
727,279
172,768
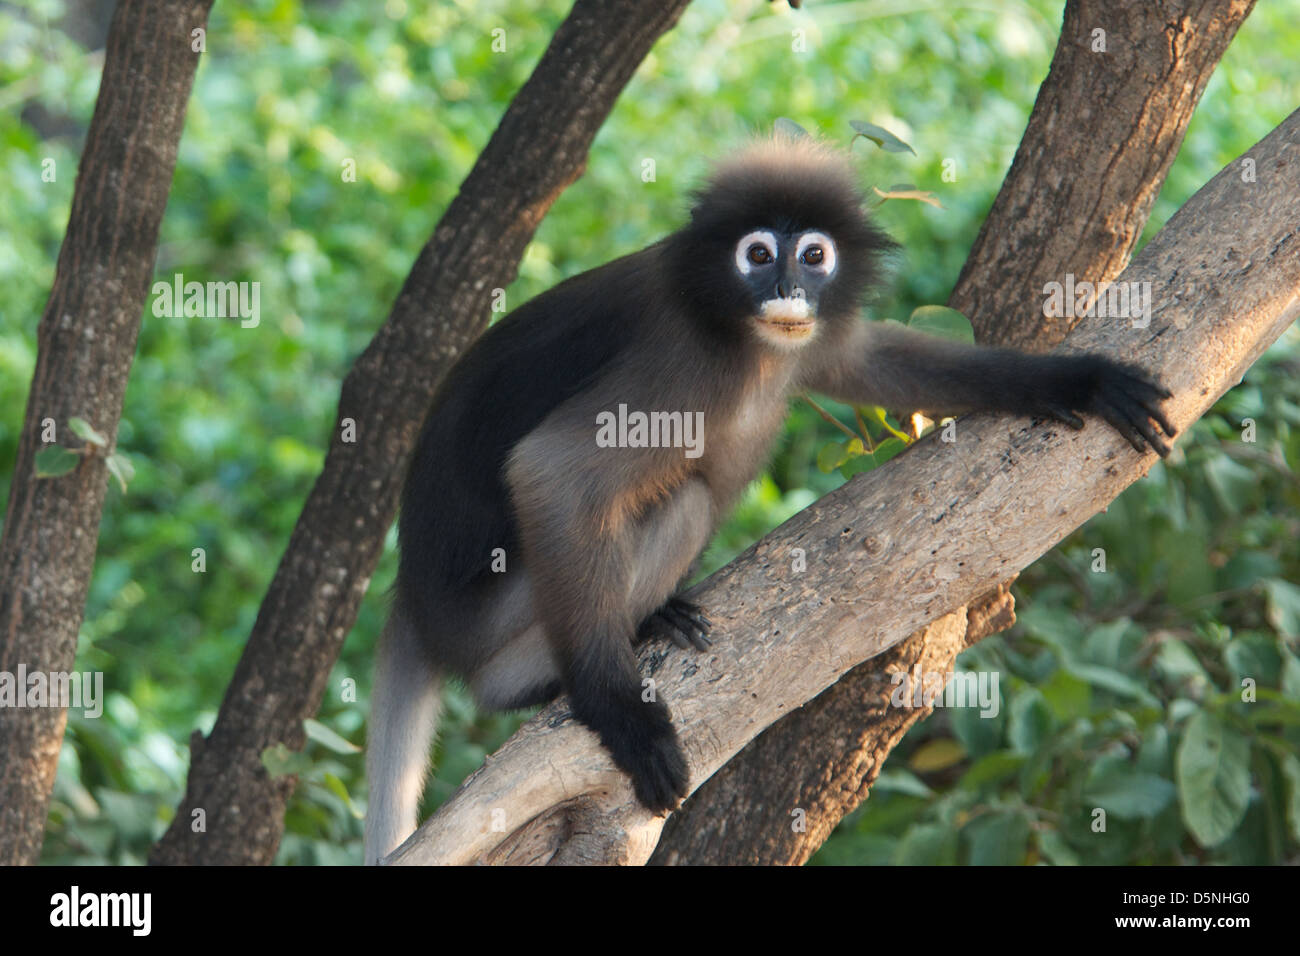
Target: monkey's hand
x,y
1126,396
681,622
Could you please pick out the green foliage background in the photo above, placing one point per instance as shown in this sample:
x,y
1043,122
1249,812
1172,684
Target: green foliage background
x,y
1120,690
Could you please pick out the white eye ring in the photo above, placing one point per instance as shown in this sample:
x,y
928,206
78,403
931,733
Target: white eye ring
x,y
759,237
827,264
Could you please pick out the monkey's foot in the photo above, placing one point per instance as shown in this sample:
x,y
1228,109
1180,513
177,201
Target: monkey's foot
x,y
681,622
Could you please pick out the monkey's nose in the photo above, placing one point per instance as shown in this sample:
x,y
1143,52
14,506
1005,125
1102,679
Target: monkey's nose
x,y
782,289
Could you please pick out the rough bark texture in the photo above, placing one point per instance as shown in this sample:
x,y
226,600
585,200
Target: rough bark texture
x,y
86,342
1090,195
1108,124
1226,277
538,149
778,800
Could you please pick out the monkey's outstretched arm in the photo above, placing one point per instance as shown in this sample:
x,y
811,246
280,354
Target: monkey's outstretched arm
x,y
607,533
904,370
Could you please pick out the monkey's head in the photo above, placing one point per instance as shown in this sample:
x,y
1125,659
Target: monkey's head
x,y
778,245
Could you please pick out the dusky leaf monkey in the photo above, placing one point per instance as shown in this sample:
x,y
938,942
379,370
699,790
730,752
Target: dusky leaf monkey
x,y
757,298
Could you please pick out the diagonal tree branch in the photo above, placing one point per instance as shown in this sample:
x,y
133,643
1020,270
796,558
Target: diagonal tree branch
x,y
86,342
1099,143
537,150
1225,275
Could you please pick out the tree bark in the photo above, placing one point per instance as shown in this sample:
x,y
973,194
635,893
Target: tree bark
x,y
1106,127
537,150
778,800
1225,272
1108,124
86,342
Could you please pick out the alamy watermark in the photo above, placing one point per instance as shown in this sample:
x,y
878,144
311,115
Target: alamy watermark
x,y
179,299
936,689
66,689
651,430
1087,300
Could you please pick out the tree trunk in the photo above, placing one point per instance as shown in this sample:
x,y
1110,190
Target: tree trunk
x,y
976,511
1108,122
86,342
1078,195
538,149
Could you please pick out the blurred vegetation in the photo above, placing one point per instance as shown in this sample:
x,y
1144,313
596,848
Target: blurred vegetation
x,y
1119,689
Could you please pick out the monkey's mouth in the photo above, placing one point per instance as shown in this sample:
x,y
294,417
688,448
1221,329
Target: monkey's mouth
x,y
790,319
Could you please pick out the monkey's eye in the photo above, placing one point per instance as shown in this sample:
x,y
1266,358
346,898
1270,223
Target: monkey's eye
x,y
759,254
813,256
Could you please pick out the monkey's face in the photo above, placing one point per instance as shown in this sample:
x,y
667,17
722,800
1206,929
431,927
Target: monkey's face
x,y
785,275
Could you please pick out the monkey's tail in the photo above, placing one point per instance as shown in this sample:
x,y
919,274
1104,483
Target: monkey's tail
x,y
405,703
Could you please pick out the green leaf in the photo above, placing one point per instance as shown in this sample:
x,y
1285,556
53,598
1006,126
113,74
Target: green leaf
x,y
831,456
327,738
788,127
938,754
999,839
1213,774
881,137
83,430
887,449
1115,682
990,769
1233,484
901,781
1056,850
1283,607
280,761
941,321
1030,721
877,414
120,467
337,787
1154,753
927,845
1068,696
55,460
1177,662
1253,655
1291,771
1131,794
979,735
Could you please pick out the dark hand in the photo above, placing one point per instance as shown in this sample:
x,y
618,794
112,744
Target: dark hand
x,y
681,622
1126,396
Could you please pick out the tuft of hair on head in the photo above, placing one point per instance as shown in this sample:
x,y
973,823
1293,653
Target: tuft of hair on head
x,y
795,184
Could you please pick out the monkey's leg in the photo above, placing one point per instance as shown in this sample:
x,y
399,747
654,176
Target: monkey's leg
x,y
596,572
523,673
672,537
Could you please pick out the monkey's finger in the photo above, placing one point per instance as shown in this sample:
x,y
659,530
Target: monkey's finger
x,y
1143,424
689,620
1062,414
1120,422
693,632
690,609
674,633
1149,395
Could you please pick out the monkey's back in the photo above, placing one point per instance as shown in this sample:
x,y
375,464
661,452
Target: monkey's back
x,y
455,505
